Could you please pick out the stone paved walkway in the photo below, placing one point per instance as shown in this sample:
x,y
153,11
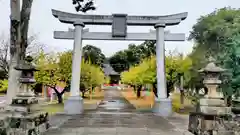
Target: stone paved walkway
x,y
115,116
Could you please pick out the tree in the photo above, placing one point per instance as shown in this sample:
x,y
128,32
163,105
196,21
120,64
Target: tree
x,y
214,35
148,48
122,60
83,7
198,58
145,72
19,23
119,61
58,67
91,75
4,51
214,28
230,61
49,73
139,75
3,86
33,49
93,54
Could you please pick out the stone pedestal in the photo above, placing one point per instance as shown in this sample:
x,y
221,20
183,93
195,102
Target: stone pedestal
x,y
73,105
236,106
212,110
163,107
214,107
23,117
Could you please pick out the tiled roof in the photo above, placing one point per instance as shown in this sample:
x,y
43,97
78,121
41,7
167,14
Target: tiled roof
x,y
108,70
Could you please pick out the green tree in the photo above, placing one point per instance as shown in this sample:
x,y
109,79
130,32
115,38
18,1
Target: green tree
x,y
91,74
198,58
122,60
215,28
216,35
3,86
49,73
93,54
65,66
58,67
145,72
230,61
119,61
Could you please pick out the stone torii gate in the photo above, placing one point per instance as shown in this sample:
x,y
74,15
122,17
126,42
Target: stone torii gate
x,y
119,22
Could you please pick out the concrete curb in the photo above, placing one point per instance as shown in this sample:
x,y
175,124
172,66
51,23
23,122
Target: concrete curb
x,y
184,131
54,127
59,123
98,103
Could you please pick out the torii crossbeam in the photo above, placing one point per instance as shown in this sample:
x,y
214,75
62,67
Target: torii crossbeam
x,y
69,35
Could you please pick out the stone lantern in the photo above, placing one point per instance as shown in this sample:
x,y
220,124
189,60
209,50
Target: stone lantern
x,y
212,105
26,78
23,116
211,80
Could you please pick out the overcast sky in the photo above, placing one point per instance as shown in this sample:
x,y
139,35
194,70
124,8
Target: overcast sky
x,y
43,23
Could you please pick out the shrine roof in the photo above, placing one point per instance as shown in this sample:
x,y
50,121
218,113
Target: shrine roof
x,y
108,70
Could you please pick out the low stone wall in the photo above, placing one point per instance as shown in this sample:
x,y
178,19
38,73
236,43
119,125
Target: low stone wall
x,y
18,124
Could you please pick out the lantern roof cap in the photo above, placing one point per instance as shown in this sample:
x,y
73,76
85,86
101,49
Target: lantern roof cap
x,y
26,65
212,67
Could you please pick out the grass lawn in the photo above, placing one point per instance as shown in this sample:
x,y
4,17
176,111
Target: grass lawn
x,y
2,94
53,108
146,103
141,103
183,109
89,103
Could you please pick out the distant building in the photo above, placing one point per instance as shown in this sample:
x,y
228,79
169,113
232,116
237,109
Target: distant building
x,y
110,72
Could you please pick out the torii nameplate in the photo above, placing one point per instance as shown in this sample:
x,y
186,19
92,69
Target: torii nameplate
x,y
119,25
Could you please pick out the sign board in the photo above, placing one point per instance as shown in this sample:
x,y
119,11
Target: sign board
x,y
119,26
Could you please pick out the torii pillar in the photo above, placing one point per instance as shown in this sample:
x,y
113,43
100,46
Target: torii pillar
x,y
163,105
74,104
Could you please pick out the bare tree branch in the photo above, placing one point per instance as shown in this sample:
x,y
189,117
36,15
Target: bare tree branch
x,y
4,51
83,5
34,47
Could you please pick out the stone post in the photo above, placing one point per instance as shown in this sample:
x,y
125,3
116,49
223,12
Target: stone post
x,y
165,109
74,104
45,93
181,90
